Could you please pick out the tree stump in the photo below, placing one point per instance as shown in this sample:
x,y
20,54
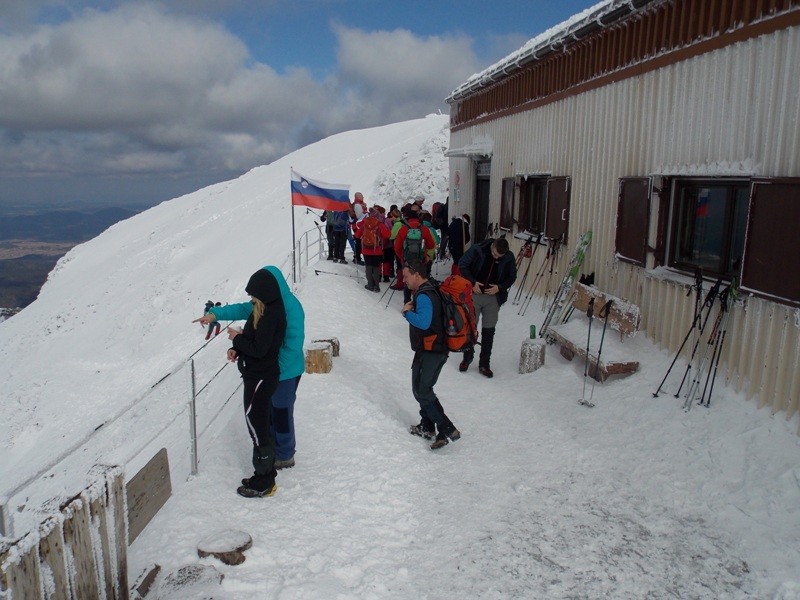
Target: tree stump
x,y
226,545
532,355
319,357
334,342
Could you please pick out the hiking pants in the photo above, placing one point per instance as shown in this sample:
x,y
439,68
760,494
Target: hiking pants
x,y
282,417
339,241
257,399
425,369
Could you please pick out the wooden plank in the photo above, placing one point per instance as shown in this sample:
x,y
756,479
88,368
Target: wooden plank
x,y
23,577
98,509
623,317
599,371
52,558
78,541
147,492
120,533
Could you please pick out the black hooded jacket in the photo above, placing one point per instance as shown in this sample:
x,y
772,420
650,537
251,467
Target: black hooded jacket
x,y
258,347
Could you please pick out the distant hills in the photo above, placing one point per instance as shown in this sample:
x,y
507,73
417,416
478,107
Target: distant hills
x,y
61,225
31,244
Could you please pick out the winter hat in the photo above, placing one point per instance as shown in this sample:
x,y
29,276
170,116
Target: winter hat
x,y
419,199
465,216
264,286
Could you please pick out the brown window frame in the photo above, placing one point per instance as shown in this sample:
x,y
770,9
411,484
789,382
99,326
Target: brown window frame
x,y
532,203
633,219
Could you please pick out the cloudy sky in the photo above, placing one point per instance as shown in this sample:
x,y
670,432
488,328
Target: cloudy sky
x,y
131,103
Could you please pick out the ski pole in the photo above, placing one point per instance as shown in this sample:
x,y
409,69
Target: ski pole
x,y
709,304
590,314
387,289
318,271
695,384
537,279
716,364
604,314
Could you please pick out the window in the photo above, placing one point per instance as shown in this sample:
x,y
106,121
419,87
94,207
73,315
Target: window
x,y
633,219
507,204
709,218
532,203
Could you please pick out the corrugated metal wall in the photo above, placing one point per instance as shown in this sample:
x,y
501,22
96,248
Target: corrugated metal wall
x,y
734,111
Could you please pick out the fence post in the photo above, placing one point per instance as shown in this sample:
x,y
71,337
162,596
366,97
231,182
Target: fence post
x,y
193,417
6,522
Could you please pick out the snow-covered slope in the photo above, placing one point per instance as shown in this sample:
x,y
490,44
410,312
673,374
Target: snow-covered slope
x,y
115,313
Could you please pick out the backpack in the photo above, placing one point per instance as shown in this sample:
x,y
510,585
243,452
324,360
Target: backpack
x,y
460,328
370,234
413,245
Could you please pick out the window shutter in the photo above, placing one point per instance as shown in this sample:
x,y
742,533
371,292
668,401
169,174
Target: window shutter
x,y
661,187
507,204
633,219
772,246
557,220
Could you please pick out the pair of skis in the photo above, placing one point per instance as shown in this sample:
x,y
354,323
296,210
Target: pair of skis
x,y
563,296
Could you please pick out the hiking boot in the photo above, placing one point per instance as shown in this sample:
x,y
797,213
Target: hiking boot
x,y
396,286
486,372
386,279
369,287
360,262
464,365
421,432
330,258
284,464
343,261
441,439
257,486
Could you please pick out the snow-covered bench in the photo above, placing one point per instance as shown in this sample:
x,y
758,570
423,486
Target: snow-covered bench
x,y
624,318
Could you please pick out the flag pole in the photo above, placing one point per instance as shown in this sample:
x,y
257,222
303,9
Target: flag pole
x,y
294,243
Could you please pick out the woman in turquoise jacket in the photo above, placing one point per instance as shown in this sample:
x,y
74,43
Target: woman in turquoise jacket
x,y
291,359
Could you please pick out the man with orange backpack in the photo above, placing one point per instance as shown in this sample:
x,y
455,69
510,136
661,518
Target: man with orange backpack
x,y
372,233
427,334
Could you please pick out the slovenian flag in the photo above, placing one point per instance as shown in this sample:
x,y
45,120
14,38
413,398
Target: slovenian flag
x,y
316,194
702,205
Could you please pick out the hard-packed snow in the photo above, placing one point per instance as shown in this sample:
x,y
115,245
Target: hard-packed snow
x,y
540,498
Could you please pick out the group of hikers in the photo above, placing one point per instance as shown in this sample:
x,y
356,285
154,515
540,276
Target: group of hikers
x,y
399,246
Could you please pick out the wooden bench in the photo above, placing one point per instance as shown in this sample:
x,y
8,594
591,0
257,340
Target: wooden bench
x,y
623,318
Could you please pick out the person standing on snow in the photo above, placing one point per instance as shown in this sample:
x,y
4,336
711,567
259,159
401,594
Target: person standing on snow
x,y
291,359
255,350
426,331
492,270
458,238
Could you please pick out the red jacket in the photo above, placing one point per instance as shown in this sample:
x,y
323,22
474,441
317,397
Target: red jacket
x,y
383,233
427,237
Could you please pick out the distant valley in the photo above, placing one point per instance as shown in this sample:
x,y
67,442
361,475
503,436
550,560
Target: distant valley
x,y
31,244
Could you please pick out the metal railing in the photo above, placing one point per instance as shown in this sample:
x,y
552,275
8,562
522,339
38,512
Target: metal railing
x,y
309,247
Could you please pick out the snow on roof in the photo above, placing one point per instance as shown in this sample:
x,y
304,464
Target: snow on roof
x,y
599,15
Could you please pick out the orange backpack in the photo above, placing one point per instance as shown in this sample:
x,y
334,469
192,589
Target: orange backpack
x,y
370,235
460,328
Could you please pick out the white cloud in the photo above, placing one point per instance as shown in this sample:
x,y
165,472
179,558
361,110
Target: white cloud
x,y
140,89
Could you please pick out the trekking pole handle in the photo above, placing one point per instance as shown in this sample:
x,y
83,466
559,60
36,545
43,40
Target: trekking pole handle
x,y
590,310
605,310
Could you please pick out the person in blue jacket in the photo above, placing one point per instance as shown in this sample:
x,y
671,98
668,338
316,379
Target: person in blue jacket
x,y
291,359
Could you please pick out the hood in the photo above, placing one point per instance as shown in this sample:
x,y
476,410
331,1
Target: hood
x,y
264,286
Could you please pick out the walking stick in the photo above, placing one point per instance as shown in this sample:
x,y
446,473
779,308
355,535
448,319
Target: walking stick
x,y
604,314
590,314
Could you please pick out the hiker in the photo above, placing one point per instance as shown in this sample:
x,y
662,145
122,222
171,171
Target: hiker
x,y
328,220
492,270
412,242
458,238
359,211
341,225
371,233
214,325
426,219
255,350
426,331
397,222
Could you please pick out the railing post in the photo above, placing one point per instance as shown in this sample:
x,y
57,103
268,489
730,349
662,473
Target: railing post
x,y
6,522
193,417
